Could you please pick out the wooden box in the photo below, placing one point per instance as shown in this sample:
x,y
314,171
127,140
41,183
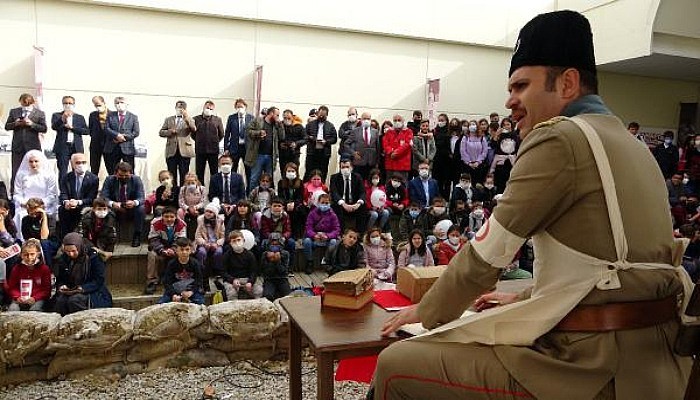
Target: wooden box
x,y
415,282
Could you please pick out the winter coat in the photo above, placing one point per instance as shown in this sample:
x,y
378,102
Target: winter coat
x,y
327,222
400,142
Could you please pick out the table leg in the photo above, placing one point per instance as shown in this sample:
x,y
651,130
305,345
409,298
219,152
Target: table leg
x,y
294,361
324,376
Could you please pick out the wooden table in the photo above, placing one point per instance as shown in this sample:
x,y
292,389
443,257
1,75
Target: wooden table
x,y
333,334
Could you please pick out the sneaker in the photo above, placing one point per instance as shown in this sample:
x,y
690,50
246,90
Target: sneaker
x,y
150,288
136,241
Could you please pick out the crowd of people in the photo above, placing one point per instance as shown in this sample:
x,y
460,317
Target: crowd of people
x,y
439,185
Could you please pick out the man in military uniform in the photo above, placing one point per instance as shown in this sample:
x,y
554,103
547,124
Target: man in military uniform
x,y
602,315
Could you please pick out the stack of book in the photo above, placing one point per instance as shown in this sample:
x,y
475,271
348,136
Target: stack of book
x,y
350,289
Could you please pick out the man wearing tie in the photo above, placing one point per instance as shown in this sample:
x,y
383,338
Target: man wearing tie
x,y
235,138
227,186
362,145
121,129
179,148
124,194
26,122
78,190
348,197
97,121
69,128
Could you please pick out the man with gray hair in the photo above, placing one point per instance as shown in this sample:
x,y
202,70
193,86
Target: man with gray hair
x,y
78,190
121,129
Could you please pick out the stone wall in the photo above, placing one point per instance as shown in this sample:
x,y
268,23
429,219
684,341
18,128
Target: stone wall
x,y
114,342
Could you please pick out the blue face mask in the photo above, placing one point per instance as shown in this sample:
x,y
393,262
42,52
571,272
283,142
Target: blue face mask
x,y
413,213
324,207
275,248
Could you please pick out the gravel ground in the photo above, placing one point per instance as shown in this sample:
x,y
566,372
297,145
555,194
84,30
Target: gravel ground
x,y
238,381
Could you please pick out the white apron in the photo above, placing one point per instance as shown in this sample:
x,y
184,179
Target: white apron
x,y
562,278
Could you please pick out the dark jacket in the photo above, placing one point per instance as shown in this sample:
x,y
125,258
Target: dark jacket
x,y
275,270
172,201
667,158
80,128
134,189
253,139
210,131
330,135
175,272
357,188
88,189
239,265
25,138
417,194
233,133
106,237
291,191
129,128
93,283
292,134
236,187
97,131
341,258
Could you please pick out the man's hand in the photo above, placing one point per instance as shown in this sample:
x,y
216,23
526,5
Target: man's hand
x,y
408,315
186,294
263,134
120,138
249,287
4,253
168,252
177,298
357,156
494,299
129,204
228,209
28,122
348,208
116,205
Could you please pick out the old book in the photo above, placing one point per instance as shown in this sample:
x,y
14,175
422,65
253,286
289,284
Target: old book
x,y
350,283
337,300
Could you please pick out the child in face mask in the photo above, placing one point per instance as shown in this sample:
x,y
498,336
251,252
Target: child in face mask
x,y
434,214
313,187
460,214
276,222
477,218
239,270
192,199
261,196
166,194
379,256
396,195
444,251
99,227
209,237
376,194
274,266
409,221
322,229
462,191
290,189
29,284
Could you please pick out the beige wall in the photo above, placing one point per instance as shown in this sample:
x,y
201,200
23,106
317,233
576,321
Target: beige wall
x,y
652,102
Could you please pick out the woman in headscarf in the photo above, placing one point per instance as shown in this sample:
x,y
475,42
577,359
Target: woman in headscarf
x,y
35,179
81,278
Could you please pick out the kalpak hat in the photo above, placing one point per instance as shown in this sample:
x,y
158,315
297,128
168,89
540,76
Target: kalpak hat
x,y
555,39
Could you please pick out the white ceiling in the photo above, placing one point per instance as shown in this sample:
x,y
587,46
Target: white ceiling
x,y
658,66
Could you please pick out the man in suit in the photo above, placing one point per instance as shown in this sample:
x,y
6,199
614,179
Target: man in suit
x,y
348,197
321,135
264,135
227,186
235,137
362,145
121,129
78,190
97,121
69,128
26,122
123,192
209,132
422,189
179,147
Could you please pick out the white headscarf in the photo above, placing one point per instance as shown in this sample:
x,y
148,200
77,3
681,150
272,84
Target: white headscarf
x,y
25,169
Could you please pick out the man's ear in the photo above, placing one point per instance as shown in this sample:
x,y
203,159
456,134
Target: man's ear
x,y
570,81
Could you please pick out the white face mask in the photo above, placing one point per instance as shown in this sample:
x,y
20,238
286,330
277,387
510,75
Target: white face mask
x,y
101,214
398,124
454,240
352,118
386,129
439,210
685,181
375,240
80,168
241,110
442,124
101,108
208,112
178,112
465,184
346,171
396,184
478,213
238,248
424,173
472,128
68,107
291,175
121,107
225,168
375,181
167,182
366,123
28,108
488,185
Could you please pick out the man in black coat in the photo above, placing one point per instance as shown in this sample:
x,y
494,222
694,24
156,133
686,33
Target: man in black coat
x,y
78,190
97,120
124,194
210,131
26,122
666,155
321,135
348,197
69,127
